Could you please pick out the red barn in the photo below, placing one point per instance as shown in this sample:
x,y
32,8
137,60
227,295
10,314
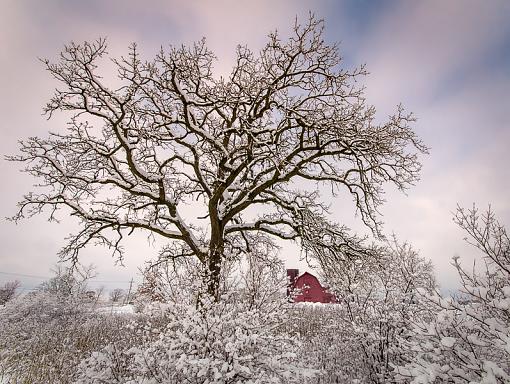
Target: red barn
x,y
308,288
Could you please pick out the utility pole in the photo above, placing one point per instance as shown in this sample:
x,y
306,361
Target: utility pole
x,y
126,299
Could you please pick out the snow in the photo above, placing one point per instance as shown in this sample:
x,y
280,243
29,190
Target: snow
x,y
123,309
448,341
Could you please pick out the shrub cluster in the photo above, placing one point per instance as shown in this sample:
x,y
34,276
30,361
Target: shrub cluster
x,y
390,326
45,336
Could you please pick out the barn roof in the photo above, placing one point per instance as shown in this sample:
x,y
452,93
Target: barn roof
x,y
309,274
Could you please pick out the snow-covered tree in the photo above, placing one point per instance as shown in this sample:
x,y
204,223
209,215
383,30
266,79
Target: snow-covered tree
x,y
468,341
379,296
248,149
8,291
68,281
117,295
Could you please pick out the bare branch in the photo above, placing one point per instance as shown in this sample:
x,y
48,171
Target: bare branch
x,y
172,135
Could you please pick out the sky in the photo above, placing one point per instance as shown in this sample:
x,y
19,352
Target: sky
x,y
446,61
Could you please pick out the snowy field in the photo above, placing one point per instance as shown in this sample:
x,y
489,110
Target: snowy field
x,y
116,310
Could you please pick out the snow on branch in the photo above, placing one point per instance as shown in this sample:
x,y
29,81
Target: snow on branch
x,y
171,134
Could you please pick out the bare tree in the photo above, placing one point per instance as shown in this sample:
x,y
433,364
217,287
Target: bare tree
x,y
8,291
69,281
250,149
117,295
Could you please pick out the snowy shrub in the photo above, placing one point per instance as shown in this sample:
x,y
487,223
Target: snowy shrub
x,y
257,277
378,295
179,281
214,342
327,343
263,278
469,339
188,337
44,337
8,291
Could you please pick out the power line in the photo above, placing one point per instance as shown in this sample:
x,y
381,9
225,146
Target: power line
x,y
49,277
108,281
24,275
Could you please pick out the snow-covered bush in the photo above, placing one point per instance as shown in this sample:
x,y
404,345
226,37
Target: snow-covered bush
x,y
257,277
469,339
189,337
328,344
8,291
45,335
378,294
213,342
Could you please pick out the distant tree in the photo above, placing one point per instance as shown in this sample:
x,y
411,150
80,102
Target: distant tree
x,y
8,291
117,295
97,293
250,149
69,281
468,340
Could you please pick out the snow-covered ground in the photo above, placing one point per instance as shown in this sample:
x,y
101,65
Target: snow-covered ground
x,y
114,309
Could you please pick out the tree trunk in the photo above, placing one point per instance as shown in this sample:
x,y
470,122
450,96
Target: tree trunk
x,y
214,262
214,272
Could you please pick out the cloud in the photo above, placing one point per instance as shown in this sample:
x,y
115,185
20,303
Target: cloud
x,y
445,60
418,50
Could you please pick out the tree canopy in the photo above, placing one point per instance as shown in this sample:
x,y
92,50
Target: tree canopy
x,y
251,148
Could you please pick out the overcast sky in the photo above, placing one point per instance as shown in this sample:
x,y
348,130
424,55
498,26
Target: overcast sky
x,y
447,61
